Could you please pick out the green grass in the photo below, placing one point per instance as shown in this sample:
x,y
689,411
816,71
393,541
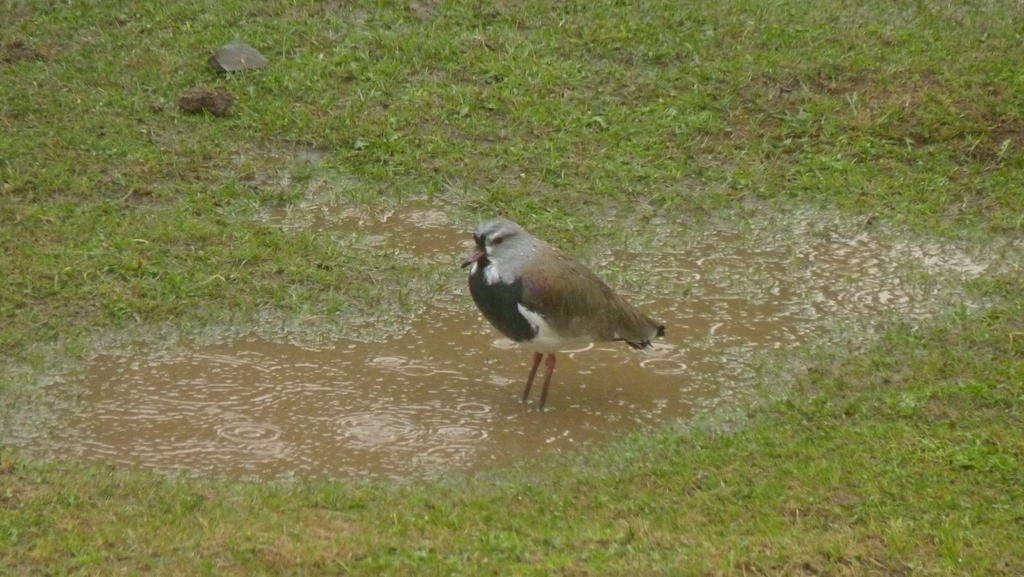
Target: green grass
x,y
119,213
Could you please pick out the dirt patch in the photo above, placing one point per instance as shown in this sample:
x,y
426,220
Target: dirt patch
x,y
18,49
216,101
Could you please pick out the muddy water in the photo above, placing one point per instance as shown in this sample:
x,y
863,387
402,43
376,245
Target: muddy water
x,y
445,396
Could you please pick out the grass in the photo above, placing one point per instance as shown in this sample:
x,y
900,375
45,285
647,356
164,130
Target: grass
x,y
119,213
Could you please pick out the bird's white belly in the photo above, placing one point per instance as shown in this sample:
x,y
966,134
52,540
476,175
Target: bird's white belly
x,y
547,339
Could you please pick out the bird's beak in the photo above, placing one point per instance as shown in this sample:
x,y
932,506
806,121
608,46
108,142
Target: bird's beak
x,y
478,254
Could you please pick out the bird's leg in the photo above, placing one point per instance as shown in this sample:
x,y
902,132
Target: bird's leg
x,y
549,364
533,373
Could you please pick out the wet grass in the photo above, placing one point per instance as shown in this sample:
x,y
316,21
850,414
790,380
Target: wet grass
x,y
120,212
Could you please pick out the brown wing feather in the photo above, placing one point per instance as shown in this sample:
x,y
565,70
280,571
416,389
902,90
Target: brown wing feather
x,y
578,304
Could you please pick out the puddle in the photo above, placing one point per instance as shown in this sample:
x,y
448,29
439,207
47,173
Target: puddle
x,y
445,395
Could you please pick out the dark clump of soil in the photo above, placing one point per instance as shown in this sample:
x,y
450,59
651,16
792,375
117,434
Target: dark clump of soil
x,y
217,101
17,49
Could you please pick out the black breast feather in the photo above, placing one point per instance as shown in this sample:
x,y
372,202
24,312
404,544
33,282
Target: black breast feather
x,y
500,304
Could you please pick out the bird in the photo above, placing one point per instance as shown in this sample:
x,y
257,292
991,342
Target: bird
x,y
540,297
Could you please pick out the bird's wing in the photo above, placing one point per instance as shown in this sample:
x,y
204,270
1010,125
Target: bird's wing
x,y
578,304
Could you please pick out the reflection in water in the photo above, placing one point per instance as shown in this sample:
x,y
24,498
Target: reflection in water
x,y
445,395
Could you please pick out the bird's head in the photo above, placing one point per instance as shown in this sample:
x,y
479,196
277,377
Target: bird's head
x,y
499,240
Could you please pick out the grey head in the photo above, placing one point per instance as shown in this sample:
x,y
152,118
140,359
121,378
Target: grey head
x,y
503,247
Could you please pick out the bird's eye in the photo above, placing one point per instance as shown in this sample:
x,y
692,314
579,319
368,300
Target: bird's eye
x,y
497,240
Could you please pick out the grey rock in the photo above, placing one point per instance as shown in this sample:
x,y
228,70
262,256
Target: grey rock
x,y
237,56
